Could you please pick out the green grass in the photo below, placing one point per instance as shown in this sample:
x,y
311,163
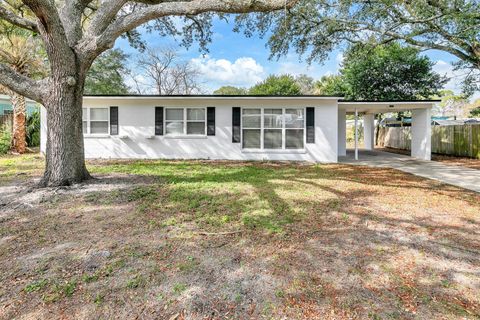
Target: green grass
x,y
251,196
136,282
36,285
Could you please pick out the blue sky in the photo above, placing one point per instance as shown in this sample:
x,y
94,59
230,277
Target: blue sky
x,y
234,59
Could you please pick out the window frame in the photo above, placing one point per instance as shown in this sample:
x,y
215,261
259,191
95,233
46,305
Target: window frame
x,y
185,122
283,129
89,121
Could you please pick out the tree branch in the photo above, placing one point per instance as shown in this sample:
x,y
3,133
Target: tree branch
x,y
16,20
22,85
105,39
104,15
71,16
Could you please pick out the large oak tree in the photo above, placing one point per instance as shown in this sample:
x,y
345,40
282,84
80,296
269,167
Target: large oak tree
x,y
75,33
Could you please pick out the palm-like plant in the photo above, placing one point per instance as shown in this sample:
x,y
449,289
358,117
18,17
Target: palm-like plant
x,y
22,52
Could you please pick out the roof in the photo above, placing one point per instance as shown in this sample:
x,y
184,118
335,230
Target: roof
x,y
177,96
6,98
454,122
386,101
200,96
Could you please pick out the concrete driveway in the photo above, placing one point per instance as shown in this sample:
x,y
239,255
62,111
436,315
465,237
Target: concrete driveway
x,y
455,175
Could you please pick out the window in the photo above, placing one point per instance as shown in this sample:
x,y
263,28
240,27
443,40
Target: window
x,y
95,120
185,121
273,128
294,128
251,128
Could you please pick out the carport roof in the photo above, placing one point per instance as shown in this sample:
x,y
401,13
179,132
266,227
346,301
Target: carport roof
x,y
384,106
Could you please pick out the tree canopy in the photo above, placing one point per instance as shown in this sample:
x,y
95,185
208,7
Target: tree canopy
x,y
475,109
315,27
106,76
451,105
283,85
230,90
383,72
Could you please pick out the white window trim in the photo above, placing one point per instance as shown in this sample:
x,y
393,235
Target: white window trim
x,y
284,129
184,121
88,134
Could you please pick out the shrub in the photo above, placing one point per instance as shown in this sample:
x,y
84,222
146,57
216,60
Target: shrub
x,y
5,139
33,129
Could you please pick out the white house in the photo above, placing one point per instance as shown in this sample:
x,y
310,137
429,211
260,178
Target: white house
x,y
309,128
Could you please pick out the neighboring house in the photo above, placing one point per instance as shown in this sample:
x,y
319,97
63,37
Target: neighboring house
x,y
436,121
6,105
309,128
449,122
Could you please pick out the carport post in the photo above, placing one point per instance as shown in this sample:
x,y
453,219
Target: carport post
x,y
421,134
356,134
369,131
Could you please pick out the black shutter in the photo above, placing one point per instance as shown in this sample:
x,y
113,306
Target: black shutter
x,y
210,121
113,121
236,124
310,125
159,121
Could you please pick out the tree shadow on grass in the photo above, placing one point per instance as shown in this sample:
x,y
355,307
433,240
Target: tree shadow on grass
x,y
324,222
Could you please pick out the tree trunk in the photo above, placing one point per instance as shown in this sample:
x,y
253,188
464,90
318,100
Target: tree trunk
x,y
19,123
65,159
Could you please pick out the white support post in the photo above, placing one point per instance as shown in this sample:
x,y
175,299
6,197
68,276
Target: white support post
x,y
421,134
342,132
369,131
356,134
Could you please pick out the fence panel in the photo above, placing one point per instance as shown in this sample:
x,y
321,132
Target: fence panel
x,y
475,141
6,120
450,140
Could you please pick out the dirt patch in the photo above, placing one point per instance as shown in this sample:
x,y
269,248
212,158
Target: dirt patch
x,y
238,240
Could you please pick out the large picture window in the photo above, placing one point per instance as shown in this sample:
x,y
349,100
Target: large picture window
x,y
185,121
273,128
95,120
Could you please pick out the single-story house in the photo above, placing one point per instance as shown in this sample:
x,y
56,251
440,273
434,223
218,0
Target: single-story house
x,y
308,128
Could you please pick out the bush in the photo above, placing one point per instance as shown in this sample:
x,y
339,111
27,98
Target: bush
x,y
5,139
33,129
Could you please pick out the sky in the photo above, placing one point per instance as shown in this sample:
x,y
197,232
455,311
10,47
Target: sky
x,y
236,60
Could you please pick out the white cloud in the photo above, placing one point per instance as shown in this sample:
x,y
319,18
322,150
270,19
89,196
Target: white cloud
x,y
243,72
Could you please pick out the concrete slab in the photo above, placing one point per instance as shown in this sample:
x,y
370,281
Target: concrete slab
x,y
466,178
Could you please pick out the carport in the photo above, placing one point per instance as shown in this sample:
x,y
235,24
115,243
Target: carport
x,y
421,124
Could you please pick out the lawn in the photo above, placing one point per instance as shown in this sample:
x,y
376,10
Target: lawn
x,y
236,240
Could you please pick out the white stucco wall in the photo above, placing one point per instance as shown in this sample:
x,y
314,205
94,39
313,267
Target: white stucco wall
x,y
136,123
421,134
342,132
369,131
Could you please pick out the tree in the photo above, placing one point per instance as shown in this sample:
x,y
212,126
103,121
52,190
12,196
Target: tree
x,y
21,52
475,109
389,72
383,73
475,112
230,91
316,27
75,33
331,85
284,85
106,76
451,104
306,84
163,70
